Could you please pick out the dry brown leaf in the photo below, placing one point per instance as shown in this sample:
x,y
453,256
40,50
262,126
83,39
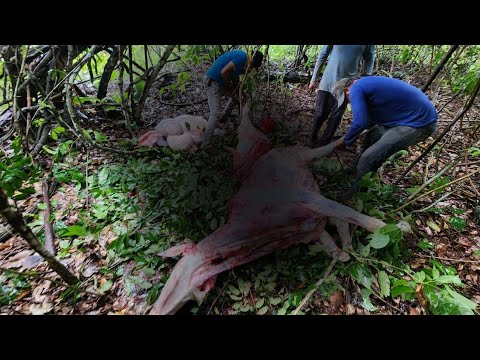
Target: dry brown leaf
x,y
465,242
335,300
106,236
433,226
41,309
17,260
414,311
23,293
418,262
350,309
72,219
441,249
38,295
89,271
5,245
428,231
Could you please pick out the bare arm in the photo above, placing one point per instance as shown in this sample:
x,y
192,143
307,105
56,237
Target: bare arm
x,y
322,58
227,76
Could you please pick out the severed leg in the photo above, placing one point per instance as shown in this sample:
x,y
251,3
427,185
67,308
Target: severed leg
x,y
329,208
328,243
343,229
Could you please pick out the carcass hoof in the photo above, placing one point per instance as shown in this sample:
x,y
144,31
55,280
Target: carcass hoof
x,y
341,256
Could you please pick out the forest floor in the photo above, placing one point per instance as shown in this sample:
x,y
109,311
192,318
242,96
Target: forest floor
x,y
111,224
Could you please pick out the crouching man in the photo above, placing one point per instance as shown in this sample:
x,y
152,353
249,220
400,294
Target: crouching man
x,y
397,114
222,79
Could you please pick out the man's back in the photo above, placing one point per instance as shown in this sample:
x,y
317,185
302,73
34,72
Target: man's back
x,y
237,57
393,102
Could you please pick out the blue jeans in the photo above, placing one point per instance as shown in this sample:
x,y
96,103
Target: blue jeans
x,y
380,143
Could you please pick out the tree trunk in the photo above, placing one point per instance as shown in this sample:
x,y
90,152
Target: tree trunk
x,y
440,67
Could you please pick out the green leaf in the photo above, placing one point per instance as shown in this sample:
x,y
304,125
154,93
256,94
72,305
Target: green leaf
x,y
462,300
263,310
458,223
233,289
146,285
367,304
432,295
364,250
474,151
106,286
401,289
75,230
213,224
392,231
384,284
449,279
56,131
379,241
260,303
282,311
433,226
476,253
412,190
424,244
362,274
148,271
64,244
275,301
419,277
439,182
42,206
435,273
99,137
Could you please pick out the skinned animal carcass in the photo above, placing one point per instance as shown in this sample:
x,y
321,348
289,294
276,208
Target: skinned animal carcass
x,y
180,133
278,205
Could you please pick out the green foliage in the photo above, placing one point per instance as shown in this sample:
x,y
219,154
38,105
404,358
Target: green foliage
x,y
380,264
17,172
11,285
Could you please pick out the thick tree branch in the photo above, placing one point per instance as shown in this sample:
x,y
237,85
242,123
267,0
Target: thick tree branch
x,y
16,221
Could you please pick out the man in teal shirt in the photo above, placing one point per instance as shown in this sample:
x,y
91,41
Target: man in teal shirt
x,y
222,79
344,62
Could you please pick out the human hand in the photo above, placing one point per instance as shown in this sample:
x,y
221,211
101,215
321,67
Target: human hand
x,y
340,144
312,86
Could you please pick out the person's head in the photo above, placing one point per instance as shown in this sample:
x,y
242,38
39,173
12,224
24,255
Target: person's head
x,y
341,90
257,59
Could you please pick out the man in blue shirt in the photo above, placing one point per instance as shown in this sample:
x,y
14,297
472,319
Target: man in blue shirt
x,y
345,61
222,79
397,114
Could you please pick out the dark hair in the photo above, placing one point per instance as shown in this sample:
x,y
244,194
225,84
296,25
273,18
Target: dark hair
x,y
257,59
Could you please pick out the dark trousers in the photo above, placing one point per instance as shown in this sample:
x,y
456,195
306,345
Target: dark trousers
x,y
326,108
381,142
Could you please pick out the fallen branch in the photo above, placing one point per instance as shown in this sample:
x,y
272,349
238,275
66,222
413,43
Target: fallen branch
x,y
449,259
438,188
468,105
182,104
41,277
46,217
15,219
317,285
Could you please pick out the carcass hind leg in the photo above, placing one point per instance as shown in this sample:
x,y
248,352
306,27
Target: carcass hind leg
x,y
327,242
329,208
343,229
